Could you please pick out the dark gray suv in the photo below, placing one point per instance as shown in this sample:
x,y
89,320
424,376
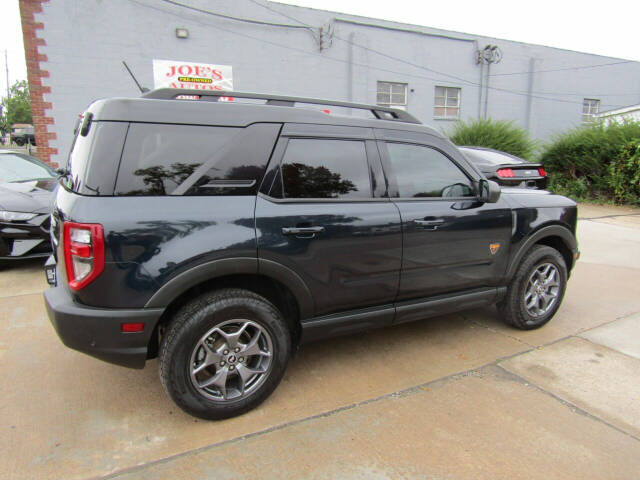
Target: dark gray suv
x,y
221,235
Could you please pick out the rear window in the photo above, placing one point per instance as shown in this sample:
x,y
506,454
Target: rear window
x,y
158,159
78,160
489,156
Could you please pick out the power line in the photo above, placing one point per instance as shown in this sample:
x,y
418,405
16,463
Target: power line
x,y
264,41
453,76
237,19
562,69
472,83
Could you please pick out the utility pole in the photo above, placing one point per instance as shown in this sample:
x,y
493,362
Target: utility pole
x,y
6,66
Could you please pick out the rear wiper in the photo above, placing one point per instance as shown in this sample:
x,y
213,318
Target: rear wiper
x,y
62,172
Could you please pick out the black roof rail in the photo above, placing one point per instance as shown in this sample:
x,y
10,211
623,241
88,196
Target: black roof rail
x,y
381,113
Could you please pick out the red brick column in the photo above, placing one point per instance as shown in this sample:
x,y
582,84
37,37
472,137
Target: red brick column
x,y
28,9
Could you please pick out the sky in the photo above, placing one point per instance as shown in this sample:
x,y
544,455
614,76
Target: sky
x,y
607,28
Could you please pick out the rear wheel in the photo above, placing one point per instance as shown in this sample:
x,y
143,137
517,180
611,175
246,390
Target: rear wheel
x,y
537,289
224,353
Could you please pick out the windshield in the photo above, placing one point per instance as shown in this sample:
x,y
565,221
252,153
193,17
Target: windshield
x,y
15,167
490,157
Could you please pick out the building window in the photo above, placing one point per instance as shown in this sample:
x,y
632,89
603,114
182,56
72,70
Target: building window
x,y
447,102
590,107
392,94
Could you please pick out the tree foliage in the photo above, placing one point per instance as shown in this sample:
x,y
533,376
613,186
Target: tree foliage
x,y
17,108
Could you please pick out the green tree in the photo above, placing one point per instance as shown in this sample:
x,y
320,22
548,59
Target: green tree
x,y
17,108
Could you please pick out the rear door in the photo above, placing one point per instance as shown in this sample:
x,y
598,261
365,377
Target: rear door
x,y
451,241
322,213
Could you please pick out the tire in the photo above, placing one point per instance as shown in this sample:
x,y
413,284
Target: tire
x,y
514,308
19,142
204,329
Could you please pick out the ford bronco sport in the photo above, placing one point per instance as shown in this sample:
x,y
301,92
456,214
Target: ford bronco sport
x,y
218,236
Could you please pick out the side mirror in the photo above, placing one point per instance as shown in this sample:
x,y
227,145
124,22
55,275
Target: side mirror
x,y
489,191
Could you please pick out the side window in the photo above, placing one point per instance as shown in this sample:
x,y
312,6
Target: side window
x,y
158,158
425,172
318,168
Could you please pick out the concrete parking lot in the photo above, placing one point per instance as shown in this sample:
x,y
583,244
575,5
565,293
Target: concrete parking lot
x,y
454,397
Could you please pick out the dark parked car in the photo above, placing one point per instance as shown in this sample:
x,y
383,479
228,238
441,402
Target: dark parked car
x,y
221,235
506,169
23,136
26,186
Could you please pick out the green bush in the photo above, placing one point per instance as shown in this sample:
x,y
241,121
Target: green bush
x,y
581,159
497,134
624,174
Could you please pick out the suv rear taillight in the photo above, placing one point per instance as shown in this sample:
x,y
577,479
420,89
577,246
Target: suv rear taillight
x,y
83,245
542,172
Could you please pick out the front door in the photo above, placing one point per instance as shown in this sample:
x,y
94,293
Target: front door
x,y
451,241
325,218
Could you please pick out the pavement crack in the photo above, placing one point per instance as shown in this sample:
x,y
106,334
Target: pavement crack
x,y
610,216
574,408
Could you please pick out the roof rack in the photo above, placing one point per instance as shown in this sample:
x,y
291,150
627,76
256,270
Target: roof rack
x,y
381,113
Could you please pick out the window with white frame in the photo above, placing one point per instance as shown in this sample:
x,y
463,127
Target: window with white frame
x,y
392,94
590,106
447,102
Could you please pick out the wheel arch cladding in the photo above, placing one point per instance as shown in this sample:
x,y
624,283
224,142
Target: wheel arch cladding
x,y
276,283
556,236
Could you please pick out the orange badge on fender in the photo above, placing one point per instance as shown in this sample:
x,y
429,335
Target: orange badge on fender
x,y
494,247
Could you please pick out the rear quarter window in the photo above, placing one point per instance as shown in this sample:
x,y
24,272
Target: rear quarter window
x,y
94,159
158,158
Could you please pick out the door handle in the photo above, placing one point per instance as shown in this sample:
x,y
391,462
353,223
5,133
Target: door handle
x,y
429,224
302,230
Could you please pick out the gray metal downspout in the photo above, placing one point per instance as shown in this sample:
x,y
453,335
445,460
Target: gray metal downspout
x,y
480,83
350,74
532,68
486,91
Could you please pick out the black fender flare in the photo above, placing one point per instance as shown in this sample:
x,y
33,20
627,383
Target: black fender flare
x,y
549,231
233,266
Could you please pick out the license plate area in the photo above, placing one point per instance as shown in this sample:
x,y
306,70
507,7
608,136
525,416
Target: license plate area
x,y
526,173
50,271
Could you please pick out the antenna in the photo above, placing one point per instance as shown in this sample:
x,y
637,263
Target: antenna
x,y
142,89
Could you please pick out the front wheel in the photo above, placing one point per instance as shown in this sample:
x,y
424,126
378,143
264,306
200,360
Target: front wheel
x,y
224,353
537,289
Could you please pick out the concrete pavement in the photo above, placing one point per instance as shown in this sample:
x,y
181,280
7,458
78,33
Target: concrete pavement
x,y
455,397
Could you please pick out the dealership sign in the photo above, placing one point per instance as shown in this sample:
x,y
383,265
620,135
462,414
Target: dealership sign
x,y
199,76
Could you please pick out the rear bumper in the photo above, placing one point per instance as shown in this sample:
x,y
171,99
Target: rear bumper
x,y
97,332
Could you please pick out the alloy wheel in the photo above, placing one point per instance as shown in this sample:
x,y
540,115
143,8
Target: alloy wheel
x,y
231,360
542,290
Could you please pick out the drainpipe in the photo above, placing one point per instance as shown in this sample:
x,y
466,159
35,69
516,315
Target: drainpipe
x,y
481,80
532,68
350,74
486,92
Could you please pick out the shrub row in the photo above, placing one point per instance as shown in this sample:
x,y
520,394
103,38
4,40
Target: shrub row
x,y
595,162
498,134
592,163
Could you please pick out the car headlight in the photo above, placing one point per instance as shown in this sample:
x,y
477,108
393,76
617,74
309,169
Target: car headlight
x,y
6,216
